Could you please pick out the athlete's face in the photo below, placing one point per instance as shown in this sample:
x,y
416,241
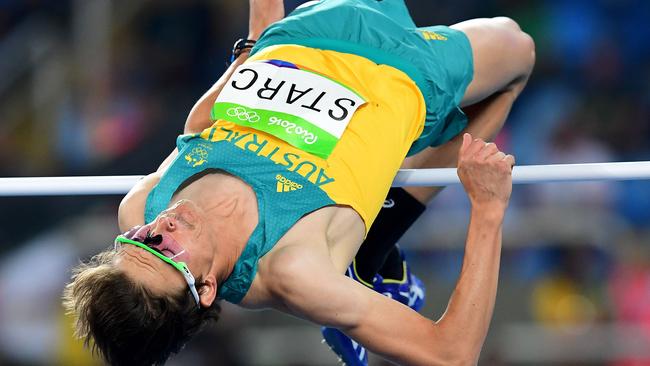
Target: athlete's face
x,y
176,233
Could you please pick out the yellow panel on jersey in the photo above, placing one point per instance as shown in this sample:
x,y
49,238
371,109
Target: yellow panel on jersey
x,y
363,164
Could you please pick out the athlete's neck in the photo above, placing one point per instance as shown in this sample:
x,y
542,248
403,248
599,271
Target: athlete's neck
x,y
229,212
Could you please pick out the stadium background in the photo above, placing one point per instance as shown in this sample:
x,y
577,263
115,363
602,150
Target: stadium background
x,y
98,87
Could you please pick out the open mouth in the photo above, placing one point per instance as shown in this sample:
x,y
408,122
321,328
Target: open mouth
x,y
163,244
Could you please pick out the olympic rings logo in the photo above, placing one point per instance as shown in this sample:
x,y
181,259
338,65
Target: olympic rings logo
x,y
243,114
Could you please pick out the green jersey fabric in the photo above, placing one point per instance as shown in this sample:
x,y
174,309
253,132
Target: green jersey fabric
x,y
279,209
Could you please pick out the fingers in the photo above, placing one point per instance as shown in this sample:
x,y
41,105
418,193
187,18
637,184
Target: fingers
x,y
470,146
497,156
501,158
481,150
467,139
488,150
477,148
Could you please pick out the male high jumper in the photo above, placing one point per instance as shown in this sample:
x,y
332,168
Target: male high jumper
x,y
282,169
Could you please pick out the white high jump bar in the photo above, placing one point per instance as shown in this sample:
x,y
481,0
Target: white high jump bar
x,y
109,185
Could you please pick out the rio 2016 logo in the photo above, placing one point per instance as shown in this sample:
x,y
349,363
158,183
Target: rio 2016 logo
x,y
291,128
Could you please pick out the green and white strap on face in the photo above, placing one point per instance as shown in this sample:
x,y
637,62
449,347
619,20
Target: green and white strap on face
x,y
181,266
299,106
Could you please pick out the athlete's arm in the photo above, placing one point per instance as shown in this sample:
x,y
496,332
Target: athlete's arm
x,y
131,211
262,14
199,117
308,286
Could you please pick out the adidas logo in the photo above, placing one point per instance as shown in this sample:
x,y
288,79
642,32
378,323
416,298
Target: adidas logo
x,y
433,36
286,185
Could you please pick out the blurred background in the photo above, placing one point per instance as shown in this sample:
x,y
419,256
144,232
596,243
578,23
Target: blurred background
x,y
98,87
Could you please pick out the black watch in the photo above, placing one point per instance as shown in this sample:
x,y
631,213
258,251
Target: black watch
x,y
240,46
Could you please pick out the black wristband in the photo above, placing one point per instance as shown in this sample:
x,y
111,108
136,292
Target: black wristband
x,y
240,46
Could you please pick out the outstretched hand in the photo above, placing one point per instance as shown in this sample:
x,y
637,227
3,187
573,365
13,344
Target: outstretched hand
x,y
262,14
486,172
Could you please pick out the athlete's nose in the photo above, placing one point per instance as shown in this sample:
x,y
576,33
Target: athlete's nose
x,y
167,223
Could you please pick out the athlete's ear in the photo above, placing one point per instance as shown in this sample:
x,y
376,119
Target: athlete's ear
x,y
207,291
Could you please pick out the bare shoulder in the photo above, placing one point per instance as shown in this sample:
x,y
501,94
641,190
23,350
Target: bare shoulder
x,y
320,245
302,281
279,272
285,272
